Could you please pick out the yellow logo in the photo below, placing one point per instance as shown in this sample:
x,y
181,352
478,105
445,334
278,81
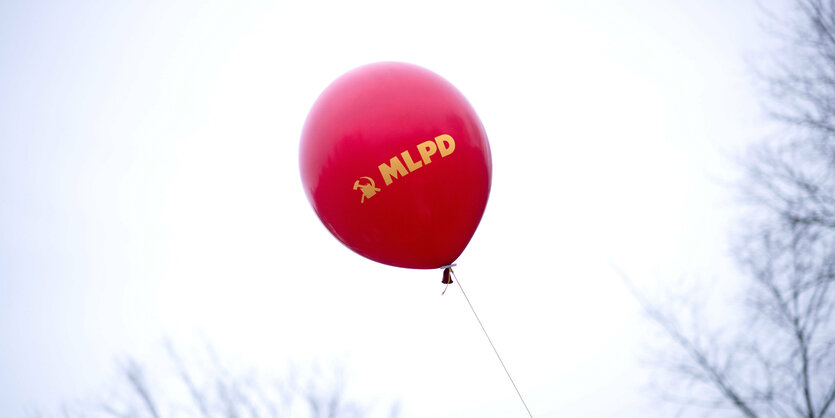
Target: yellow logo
x,y
395,168
368,189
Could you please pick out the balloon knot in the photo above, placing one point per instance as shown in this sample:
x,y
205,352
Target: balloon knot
x,y
447,276
447,279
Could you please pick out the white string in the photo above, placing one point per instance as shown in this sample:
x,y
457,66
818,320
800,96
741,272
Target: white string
x,y
492,345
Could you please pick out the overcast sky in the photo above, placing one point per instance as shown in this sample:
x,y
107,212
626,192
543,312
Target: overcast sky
x,y
149,188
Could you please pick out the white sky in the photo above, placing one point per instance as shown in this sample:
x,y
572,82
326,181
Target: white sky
x,y
149,188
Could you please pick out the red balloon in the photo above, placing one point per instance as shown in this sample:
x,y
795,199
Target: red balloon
x,y
397,165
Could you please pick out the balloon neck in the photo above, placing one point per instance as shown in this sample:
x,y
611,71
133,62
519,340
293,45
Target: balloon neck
x,y
447,276
447,280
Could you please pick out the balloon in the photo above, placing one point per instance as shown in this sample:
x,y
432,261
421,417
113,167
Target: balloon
x,y
396,165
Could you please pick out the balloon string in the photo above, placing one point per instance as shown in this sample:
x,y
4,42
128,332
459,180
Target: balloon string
x,y
491,344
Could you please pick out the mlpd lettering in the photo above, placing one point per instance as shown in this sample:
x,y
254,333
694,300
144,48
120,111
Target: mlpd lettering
x,y
404,164
443,144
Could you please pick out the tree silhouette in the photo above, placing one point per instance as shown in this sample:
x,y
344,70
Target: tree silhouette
x,y
778,360
211,391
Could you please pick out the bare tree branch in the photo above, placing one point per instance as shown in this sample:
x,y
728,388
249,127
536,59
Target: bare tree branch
x,y
137,382
782,361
